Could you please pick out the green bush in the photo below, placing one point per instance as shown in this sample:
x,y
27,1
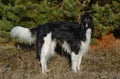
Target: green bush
x,y
30,13
106,18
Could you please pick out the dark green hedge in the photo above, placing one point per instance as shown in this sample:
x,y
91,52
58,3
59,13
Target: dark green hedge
x,y
30,13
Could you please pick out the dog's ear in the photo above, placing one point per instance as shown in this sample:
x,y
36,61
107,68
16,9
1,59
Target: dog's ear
x,y
86,17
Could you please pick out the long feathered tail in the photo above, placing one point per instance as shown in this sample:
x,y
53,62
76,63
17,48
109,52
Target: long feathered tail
x,y
24,34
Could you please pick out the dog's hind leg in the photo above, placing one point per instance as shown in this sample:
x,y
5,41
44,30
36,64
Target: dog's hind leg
x,y
45,53
44,58
50,53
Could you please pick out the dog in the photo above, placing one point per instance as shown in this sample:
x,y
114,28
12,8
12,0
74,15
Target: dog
x,y
74,38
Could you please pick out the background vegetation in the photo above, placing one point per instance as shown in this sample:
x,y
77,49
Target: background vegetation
x,y
30,13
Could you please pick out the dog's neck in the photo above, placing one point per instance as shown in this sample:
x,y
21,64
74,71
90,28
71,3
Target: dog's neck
x,y
88,35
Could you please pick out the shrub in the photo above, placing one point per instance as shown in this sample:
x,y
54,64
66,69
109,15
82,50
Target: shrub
x,y
106,18
106,14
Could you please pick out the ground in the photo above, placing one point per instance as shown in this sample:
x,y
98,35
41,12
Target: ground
x,y
101,62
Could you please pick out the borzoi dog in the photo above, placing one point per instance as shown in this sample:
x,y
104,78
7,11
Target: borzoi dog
x,y
74,38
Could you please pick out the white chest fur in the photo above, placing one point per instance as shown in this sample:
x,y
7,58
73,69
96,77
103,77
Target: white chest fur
x,y
88,36
85,44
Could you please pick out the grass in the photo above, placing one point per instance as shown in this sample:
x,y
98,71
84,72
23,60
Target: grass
x,y
96,64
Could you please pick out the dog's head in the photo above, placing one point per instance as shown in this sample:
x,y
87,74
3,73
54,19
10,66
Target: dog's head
x,y
86,21
86,18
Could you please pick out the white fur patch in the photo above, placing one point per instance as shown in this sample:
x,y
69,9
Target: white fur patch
x,y
66,47
74,62
23,34
85,45
47,51
86,25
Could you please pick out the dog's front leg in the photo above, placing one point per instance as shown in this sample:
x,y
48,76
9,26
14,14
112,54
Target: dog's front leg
x,y
74,62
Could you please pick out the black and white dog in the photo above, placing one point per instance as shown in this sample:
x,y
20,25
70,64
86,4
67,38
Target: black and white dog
x,y
72,37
